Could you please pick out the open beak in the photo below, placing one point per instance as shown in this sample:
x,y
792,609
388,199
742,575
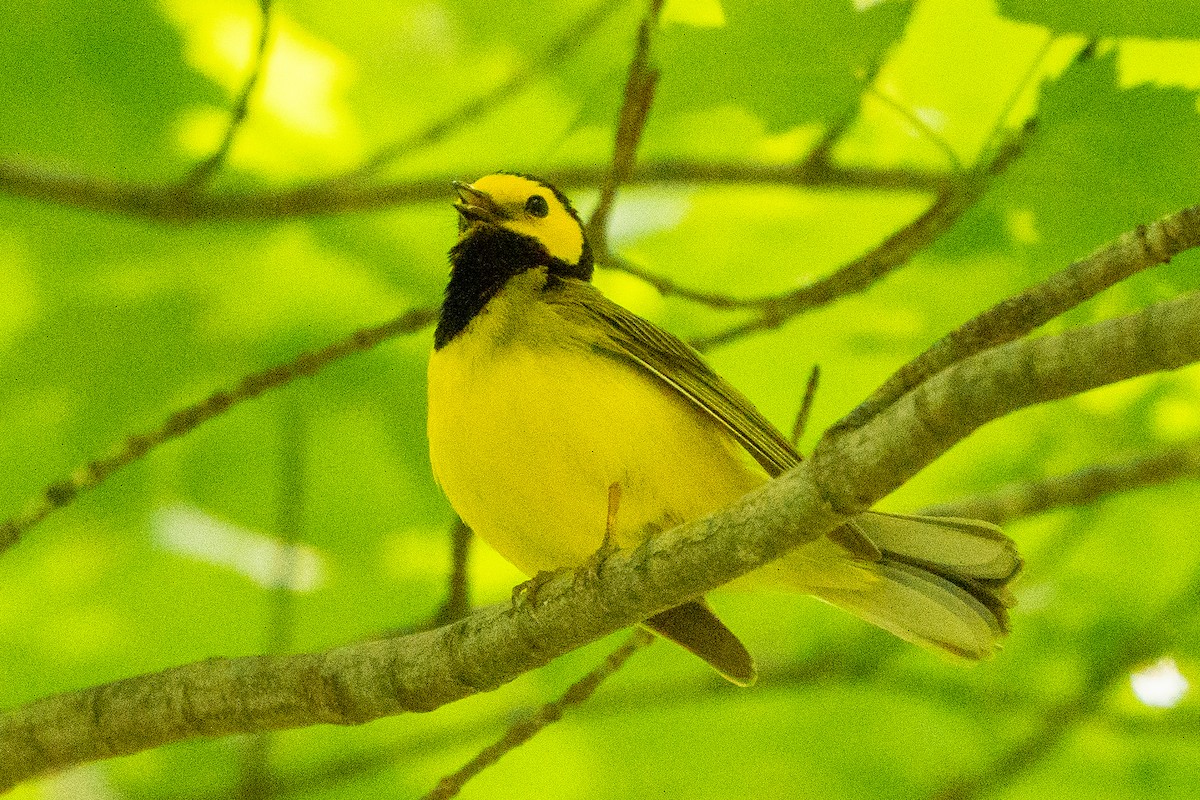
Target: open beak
x,y
476,206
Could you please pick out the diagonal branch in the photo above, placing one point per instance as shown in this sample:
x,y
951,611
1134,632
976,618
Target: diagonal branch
x,y
863,272
1148,246
367,680
63,492
523,731
560,49
945,409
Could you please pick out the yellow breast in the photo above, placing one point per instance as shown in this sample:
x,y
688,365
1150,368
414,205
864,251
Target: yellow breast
x,y
529,427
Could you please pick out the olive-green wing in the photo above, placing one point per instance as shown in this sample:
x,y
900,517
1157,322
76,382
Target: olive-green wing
x,y
624,334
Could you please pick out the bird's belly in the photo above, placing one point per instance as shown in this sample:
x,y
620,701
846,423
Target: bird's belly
x,y
527,445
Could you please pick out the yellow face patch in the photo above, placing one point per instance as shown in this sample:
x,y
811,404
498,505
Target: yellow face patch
x,y
533,210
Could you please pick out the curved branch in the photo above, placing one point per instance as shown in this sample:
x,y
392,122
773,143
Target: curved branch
x,y
367,680
895,251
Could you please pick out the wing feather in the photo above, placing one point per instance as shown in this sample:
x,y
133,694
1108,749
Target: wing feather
x,y
628,336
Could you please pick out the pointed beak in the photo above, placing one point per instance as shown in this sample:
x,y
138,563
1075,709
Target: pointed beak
x,y
476,206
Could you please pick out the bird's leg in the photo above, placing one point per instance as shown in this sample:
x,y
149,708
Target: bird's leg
x,y
528,591
610,522
591,567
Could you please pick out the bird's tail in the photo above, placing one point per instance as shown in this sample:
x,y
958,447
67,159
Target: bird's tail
x,y
936,581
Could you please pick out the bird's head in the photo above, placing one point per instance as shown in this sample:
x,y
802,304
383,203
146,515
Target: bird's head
x,y
531,209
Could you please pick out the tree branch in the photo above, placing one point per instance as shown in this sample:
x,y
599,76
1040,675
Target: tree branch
x,y
63,492
943,410
1148,246
367,680
166,204
869,268
631,122
1076,488
560,49
526,729
458,584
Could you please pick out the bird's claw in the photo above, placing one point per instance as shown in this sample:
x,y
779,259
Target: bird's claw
x,y
527,592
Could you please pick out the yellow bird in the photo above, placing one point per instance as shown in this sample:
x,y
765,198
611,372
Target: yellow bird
x,y
560,421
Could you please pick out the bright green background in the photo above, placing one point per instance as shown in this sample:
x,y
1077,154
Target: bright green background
x,y
109,323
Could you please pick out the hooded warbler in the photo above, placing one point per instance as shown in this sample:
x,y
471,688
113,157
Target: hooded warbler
x,y
559,422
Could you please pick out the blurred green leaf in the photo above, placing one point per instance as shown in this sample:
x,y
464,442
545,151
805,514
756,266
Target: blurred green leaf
x,y
1156,18
810,61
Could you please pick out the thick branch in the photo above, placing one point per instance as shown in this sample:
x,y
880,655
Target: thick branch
x,y
1149,245
896,444
367,680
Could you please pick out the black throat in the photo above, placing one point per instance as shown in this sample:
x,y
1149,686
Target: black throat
x,y
483,262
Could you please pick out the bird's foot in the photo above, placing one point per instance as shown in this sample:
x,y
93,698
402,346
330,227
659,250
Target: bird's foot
x,y
527,592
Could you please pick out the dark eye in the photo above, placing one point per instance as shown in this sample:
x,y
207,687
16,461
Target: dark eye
x,y
537,206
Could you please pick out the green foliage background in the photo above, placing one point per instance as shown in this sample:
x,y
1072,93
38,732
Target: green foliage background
x,y
109,322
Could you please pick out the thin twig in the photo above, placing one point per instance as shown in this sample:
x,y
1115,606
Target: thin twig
x,y
525,730
63,492
817,161
857,275
204,171
667,286
810,394
922,127
820,156
631,122
1077,488
997,131
256,781
560,49
1014,317
866,270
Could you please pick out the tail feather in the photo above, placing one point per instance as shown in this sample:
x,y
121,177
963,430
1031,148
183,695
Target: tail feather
x,y
952,546
923,608
696,628
938,581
